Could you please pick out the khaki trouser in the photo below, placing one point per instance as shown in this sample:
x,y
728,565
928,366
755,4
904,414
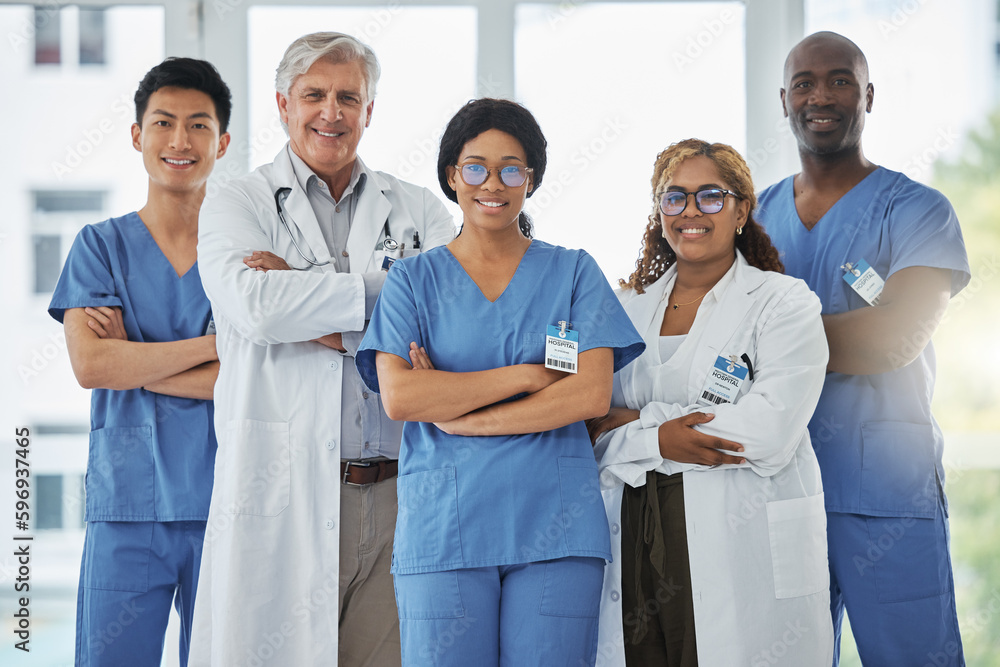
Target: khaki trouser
x,y
369,623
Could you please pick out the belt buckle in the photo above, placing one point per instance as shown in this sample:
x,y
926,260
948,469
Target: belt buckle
x,y
347,470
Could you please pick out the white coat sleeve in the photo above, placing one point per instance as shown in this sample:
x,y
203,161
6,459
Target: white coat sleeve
x,y
439,229
440,226
274,306
772,417
628,452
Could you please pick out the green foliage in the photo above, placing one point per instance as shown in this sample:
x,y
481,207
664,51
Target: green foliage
x,y
965,400
975,545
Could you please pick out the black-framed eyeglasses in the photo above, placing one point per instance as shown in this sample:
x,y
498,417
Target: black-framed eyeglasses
x,y
709,200
513,176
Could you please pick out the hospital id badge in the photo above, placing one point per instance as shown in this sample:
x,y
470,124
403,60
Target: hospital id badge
x,y
561,345
210,329
864,280
724,381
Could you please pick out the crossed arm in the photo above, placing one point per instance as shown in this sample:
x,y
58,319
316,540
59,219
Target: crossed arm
x,y
467,403
103,357
882,338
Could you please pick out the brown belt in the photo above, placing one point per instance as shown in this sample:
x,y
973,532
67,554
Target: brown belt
x,y
359,473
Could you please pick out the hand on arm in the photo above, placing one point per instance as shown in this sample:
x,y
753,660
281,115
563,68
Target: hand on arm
x,y
262,260
570,399
103,358
429,395
888,336
616,417
680,442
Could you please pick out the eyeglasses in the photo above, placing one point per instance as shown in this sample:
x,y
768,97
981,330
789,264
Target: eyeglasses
x,y
513,176
711,200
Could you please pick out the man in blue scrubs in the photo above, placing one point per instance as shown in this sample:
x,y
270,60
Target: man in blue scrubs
x,y
884,254
139,333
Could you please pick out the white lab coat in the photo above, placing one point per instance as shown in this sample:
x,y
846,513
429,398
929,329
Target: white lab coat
x,y
756,532
269,576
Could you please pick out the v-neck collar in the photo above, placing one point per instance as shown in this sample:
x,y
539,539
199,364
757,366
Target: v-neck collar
x,y
846,196
149,236
513,276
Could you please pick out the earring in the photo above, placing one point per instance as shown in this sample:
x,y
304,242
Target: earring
x,y
739,230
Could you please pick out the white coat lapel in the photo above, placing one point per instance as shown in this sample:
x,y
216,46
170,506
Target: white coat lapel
x,y
299,214
370,217
734,304
641,309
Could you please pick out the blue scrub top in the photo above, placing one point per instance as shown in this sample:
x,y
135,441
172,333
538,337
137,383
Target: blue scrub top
x,y
878,446
484,501
151,455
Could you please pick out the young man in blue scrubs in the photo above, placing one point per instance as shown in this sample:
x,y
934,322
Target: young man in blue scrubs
x,y
884,254
139,333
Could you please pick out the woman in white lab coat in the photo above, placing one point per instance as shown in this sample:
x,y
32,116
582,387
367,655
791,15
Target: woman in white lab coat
x,y
710,480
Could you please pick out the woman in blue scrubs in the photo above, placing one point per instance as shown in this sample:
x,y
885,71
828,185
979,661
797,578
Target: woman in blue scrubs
x,y
501,537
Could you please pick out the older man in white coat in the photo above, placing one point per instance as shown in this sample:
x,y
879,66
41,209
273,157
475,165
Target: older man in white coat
x,y
297,552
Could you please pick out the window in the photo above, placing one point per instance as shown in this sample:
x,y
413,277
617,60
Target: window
x,y
91,36
47,36
58,216
83,29
49,502
633,93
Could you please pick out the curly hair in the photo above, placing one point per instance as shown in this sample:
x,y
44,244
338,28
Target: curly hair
x,y
656,255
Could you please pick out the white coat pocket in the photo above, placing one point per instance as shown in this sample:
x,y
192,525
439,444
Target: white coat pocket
x,y
797,531
254,460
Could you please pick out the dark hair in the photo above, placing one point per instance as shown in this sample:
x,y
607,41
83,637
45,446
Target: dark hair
x,y
478,116
186,73
656,255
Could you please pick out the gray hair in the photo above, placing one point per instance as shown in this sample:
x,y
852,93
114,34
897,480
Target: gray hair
x,y
333,46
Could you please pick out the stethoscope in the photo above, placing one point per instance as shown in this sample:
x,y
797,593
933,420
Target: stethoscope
x,y
388,244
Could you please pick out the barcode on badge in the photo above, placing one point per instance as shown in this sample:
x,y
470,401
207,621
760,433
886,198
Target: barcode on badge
x,y
709,396
567,366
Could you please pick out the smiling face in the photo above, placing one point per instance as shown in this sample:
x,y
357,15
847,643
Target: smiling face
x,y
698,237
179,139
492,205
826,94
326,111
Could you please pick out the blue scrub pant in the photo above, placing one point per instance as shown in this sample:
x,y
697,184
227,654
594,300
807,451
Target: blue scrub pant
x,y
131,573
893,575
541,614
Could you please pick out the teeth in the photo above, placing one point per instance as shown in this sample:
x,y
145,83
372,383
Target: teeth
x,y
698,230
822,120
492,204
178,162
328,134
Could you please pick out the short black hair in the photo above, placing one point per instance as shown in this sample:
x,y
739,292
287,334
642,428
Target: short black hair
x,y
188,73
488,113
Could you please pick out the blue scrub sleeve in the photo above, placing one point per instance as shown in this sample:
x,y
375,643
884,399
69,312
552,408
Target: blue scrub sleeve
x,y
86,279
392,327
599,318
924,231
